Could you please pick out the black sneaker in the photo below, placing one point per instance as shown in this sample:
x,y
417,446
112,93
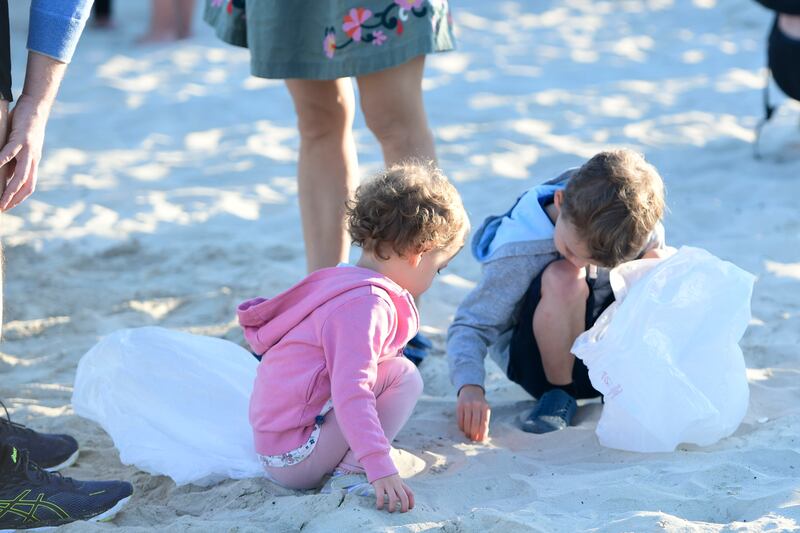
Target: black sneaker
x,y
33,498
50,452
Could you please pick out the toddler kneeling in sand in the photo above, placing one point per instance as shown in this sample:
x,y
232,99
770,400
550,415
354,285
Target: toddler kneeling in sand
x,y
541,286
333,388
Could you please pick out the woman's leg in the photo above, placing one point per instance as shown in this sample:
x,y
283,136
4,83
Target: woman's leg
x,y
163,18
394,111
183,18
396,391
327,166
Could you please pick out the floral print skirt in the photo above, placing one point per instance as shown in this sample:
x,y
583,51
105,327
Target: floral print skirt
x,y
329,39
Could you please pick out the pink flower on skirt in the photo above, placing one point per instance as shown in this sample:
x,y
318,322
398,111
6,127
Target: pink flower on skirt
x,y
216,3
329,45
354,20
408,4
378,37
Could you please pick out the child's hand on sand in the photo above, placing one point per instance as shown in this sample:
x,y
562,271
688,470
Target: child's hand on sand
x,y
473,412
396,490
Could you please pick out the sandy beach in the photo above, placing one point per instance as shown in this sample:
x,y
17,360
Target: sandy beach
x,y
167,195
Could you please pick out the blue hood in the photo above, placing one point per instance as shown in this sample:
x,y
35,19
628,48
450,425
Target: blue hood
x,y
525,221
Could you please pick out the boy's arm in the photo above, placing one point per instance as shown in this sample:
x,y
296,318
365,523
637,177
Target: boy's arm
x,y
487,312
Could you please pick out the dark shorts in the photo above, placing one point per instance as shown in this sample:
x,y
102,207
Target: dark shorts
x,y
525,362
5,53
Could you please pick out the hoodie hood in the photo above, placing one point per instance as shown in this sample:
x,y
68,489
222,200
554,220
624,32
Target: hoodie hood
x,y
267,321
525,221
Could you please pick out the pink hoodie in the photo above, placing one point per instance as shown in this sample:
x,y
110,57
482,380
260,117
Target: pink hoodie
x,y
322,339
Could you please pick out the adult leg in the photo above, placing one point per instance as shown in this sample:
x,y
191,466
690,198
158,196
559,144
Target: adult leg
x,y
395,112
327,166
163,21
396,391
183,19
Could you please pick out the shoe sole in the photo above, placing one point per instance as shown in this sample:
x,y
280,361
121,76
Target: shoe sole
x,y
69,462
102,517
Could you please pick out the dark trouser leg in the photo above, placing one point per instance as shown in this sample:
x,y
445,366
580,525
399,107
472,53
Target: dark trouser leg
x,y
525,362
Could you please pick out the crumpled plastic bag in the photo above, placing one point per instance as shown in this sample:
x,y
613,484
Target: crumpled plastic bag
x,y
665,354
175,404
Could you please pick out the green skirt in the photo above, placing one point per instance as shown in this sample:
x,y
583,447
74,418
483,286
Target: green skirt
x,y
329,39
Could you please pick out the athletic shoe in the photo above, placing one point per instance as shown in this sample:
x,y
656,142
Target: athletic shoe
x,y
417,348
32,498
553,412
50,452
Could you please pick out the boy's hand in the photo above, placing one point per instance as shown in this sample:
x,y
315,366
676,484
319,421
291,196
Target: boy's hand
x,y
473,412
397,491
660,253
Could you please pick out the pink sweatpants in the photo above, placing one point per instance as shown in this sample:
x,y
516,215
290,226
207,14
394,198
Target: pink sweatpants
x,y
397,389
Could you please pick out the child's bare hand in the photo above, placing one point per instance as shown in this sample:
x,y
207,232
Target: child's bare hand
x,y
396,490
473,412
660,253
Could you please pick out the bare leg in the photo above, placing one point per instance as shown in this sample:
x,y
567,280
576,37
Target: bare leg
x,y
163,21
183,20
327,166
559,318
789,25
395,112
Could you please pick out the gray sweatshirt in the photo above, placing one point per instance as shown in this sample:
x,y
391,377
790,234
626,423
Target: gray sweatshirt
x,y
485,320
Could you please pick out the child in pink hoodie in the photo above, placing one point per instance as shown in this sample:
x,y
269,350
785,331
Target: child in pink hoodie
x,y
333,388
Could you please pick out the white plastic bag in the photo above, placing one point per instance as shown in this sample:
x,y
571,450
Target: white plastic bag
x,y
665,354
175,404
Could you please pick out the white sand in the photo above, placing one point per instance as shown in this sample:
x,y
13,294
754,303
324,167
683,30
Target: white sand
x,y
167,195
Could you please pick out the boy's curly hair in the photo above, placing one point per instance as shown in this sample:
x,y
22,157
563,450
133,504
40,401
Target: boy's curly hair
x,y
410,207
614,201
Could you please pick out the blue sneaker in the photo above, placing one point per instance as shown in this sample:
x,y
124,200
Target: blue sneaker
x,y
32,498
417,348
553,412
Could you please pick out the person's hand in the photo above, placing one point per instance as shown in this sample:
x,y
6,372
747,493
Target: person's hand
x,y
21,153
397,491
20,156
473,412
660,253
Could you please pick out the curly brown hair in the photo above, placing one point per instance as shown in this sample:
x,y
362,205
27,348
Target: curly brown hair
x,y
614,201
410,207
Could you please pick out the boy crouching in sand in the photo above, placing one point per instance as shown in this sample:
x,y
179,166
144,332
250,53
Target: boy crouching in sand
x,y
541,286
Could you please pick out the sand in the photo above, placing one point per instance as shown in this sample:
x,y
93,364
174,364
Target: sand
x,y
167,195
